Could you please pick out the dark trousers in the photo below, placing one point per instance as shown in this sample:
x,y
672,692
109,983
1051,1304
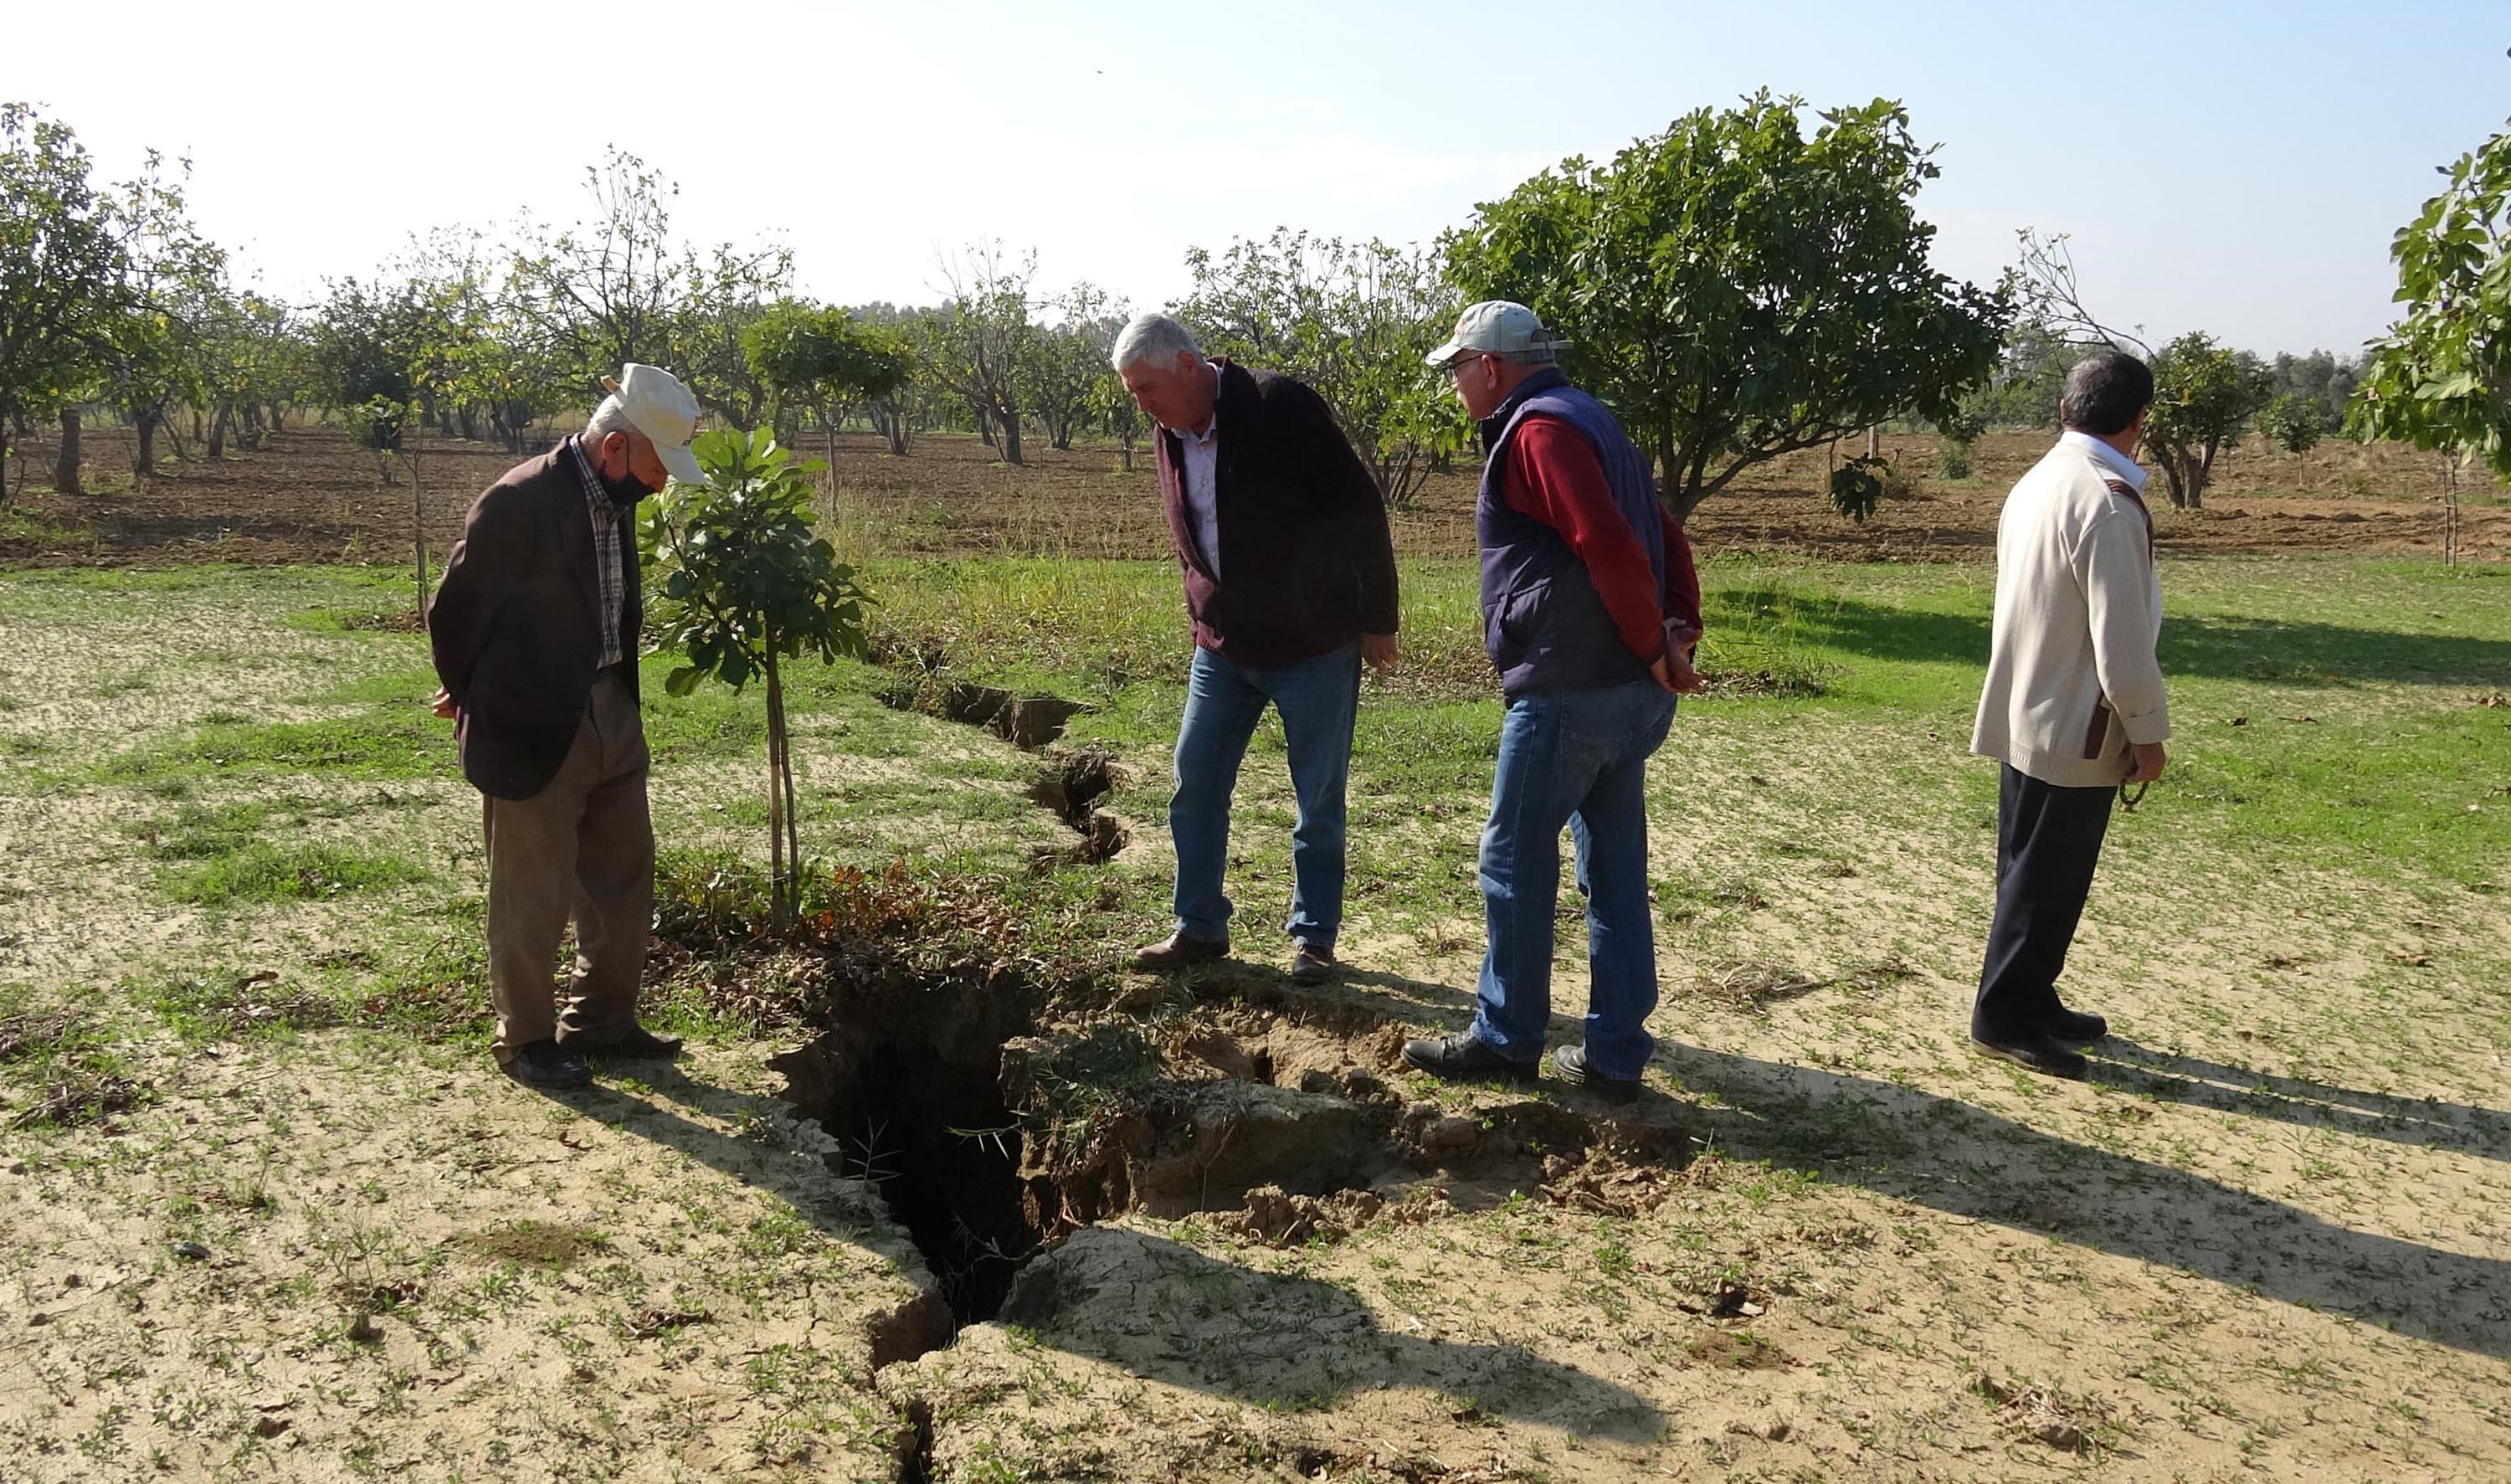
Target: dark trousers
x,y
2048,840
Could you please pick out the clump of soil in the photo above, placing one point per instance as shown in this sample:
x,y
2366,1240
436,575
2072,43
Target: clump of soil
x,y
1071,783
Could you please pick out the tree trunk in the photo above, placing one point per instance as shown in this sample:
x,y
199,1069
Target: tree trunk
x,y
1011,436
197,435
143,457
66,464
784,839
829,433
418,531
219,429
276,423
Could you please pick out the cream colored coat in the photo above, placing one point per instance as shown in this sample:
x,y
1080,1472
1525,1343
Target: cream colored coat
x,y
2072,674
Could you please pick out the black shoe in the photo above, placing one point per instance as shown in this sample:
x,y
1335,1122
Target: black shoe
x,y
2041,1053
547,1064
1462,1056
2079,1028
1176,951
1573,1064
638,1045
1578,1073
1313,963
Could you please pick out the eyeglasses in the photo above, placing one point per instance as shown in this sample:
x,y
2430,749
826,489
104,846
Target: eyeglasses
x,y
1459,363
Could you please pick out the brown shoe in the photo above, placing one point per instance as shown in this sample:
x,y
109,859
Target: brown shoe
x,y
1313,963
1176,951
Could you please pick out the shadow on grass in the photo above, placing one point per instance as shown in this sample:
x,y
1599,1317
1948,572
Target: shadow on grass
x,y
1283,1342
1959,1159
2214,648
2200,1083
1953,1156
1274,1340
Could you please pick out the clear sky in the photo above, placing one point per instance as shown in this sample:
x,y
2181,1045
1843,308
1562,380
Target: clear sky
x,y
2230,166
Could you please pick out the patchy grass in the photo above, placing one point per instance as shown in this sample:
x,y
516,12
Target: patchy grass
x,y
2280,1157
296,872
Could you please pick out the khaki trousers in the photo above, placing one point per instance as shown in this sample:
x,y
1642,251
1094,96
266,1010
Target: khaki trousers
x,y
581,847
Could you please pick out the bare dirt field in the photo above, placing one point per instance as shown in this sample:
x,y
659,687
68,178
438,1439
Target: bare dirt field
x,y
311,495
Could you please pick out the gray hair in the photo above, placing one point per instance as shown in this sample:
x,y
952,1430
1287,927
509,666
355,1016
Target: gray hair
x,y
608,419
1152,336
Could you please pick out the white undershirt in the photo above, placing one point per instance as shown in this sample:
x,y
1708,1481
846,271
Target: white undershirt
x,y
1202,466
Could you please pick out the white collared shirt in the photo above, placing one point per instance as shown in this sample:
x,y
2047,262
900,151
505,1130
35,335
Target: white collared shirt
x,y
2130,472
1202,477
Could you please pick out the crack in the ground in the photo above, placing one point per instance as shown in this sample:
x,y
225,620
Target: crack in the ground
x,y
990,1140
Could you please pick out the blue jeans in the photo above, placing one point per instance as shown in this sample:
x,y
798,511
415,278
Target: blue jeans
x,y
1577,757
1318,700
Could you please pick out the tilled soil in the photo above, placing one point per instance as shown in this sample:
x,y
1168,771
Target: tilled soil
x,y
312,495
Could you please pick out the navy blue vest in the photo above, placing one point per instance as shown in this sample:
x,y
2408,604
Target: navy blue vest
x,y
1546,627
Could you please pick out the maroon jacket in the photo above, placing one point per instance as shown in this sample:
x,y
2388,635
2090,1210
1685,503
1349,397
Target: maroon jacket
x,y
514,625
1306,563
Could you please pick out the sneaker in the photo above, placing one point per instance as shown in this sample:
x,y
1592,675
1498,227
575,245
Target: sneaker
x,y
1176,951
1313,963
1463,1056
1571,1061
547,1064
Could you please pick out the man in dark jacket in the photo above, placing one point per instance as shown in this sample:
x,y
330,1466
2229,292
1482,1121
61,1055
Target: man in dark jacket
x,y
1590,610
534,633
1289,578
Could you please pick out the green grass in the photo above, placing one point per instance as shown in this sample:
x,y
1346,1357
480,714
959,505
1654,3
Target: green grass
x,y
286,872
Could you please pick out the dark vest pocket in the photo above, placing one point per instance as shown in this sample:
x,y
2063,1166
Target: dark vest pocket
x,y
2099,731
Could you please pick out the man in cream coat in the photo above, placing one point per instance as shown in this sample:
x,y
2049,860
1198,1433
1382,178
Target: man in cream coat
x,y
2074,705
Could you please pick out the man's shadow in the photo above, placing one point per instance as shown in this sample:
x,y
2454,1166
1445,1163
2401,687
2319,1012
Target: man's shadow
x,y
1283,1342
1162,1310
1955,1157
2425,1123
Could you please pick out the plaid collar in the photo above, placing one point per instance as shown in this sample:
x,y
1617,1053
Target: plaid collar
x,y
596,495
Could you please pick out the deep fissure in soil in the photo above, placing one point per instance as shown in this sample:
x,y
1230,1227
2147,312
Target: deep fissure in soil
x,y
926,1124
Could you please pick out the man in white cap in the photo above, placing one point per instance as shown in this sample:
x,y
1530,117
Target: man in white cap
x,y
534,634
1590,610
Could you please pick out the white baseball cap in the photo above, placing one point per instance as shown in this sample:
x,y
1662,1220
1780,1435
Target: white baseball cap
x,y
664,411
1496,327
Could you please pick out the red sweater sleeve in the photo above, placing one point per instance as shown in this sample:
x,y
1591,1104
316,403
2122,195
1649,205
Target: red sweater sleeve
x,y
1555,477
1682,577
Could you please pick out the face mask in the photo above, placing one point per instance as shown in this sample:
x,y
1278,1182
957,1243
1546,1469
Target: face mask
x,y
627,490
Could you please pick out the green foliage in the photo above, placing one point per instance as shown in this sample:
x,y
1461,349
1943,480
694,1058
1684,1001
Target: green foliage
x,y
745,584
2294,421
2321,379
1705,311
978,342
1356,321
819,359
1063,367
102,293
2204,395
63,269
2023,391
2442,378
741,576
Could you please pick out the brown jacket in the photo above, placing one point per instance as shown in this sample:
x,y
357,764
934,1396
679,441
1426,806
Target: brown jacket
x,y
1306,563
515,626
